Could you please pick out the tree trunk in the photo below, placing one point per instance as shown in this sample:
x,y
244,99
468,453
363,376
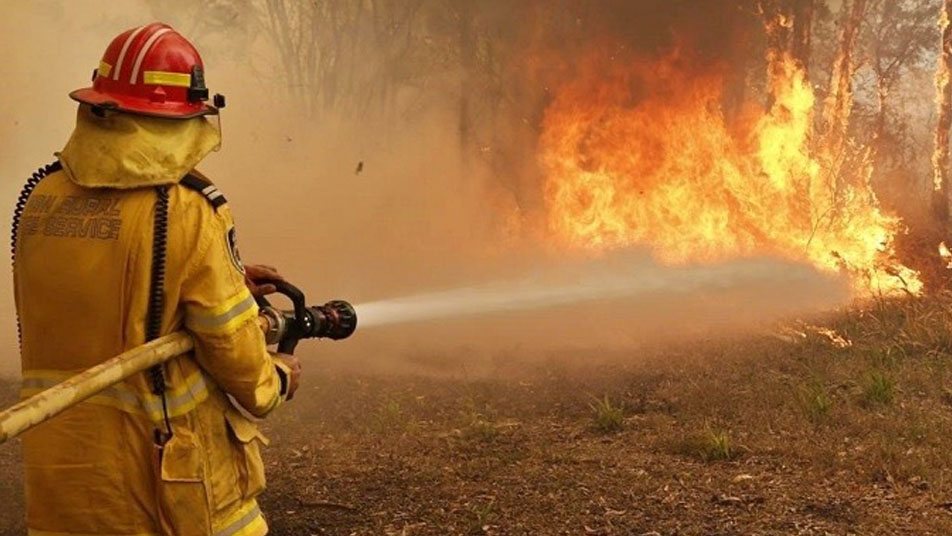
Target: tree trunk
x,y
943,82
839,100
879,130
802,32
789,28
777,25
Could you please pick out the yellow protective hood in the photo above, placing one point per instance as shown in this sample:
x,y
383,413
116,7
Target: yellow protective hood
x,y
130,151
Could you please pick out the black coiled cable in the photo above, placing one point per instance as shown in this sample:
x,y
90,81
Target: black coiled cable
x,y
22,201
24,198
160,240
153,321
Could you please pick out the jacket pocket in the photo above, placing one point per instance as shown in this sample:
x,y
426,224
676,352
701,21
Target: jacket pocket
x,y
248,439
183,497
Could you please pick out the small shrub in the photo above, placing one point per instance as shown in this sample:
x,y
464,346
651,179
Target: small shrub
x,y
713,445
814,401
480,428
608,418
390,416
717,446
886,356
947,396
879,390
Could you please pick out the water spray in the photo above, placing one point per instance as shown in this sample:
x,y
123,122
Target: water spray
x,y
533,294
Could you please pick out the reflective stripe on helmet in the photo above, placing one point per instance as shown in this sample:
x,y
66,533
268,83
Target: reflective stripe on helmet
x,y
162,78
145,50
125,48
104,69
154,71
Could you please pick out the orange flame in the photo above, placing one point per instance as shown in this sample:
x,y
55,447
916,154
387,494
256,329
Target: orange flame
x,y
643,155
946,255
943,101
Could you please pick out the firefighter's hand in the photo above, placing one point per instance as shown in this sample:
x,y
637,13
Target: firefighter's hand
x,y
261,272
294,378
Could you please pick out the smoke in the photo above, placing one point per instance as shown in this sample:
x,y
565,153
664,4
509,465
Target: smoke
x,y
36,117
375,207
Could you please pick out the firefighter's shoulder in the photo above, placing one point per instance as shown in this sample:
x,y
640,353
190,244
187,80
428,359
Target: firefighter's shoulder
x,y
199,183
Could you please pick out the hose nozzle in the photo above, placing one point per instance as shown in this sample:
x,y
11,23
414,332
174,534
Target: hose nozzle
x,y
334,320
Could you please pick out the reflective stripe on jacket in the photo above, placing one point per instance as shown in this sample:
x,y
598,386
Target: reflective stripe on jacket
x,y
82,275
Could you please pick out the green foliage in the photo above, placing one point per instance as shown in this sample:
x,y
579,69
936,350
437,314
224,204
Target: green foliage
x,y
879,389
814,400
716,445
947,396
607,417
390,416
710,446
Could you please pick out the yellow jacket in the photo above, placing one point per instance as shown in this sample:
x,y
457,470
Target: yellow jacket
x,y
82,273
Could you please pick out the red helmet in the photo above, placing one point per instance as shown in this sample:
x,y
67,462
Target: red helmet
x,y
150,70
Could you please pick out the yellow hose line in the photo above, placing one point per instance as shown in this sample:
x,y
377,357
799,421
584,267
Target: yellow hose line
x,y
51,402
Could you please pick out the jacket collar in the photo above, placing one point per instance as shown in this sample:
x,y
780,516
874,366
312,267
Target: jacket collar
x,y
131,151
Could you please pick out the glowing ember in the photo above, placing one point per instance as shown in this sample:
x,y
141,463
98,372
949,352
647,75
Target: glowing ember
x,y
943,86
641,154
945,255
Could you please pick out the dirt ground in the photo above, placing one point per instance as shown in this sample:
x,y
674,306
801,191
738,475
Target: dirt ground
x,y
801,431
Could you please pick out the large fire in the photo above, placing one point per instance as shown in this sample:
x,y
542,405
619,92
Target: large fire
x,y
642,154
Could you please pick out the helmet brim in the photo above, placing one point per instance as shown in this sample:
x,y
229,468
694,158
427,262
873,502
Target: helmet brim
x,y
139,106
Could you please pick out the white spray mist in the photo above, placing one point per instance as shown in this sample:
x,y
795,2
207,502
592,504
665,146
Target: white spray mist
x,y
533,293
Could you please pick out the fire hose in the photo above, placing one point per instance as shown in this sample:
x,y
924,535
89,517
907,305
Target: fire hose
x,y
334,320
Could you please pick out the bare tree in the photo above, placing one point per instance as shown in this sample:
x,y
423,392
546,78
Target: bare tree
x,y
309,38
788,25
802,33
778,25
343,54
230,23
839,99
900,35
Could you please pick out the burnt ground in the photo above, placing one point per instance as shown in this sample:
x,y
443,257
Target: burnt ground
x,y
795,434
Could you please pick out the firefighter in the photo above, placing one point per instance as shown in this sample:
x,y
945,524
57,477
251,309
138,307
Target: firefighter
x,y
120,242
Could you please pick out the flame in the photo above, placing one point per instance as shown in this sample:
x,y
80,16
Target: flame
x,y
943,100
641,154
945,255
